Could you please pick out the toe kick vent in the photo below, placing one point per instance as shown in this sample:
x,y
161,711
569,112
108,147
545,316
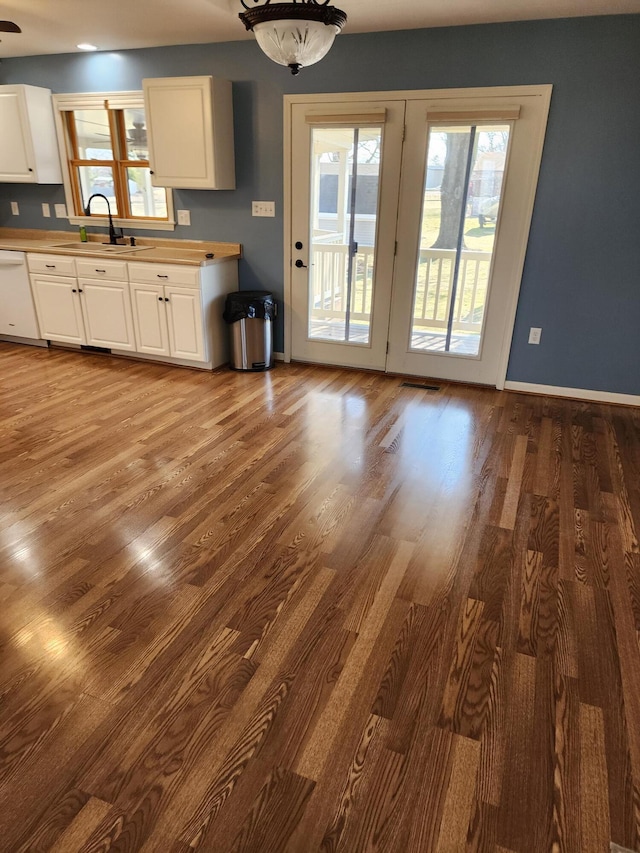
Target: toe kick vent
x,y
420,385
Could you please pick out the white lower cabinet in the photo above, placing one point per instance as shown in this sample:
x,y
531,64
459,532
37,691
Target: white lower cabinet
x,y
184,317
177,310
168,321
97,313
106,309
150,318
165,311
58,308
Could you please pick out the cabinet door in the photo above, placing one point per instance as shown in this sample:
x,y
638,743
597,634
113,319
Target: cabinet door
x,y
16,154
190,121
28,143
58,308
184,314
106,308
150,318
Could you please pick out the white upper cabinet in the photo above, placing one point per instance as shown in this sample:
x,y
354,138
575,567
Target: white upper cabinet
x,y
28,144
190,123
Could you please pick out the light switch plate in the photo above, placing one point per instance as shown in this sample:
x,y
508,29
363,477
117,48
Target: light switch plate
x,y
534,335
61,211
15,210
46,210
184,217
263,208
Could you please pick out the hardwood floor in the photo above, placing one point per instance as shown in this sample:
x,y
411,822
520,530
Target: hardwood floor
x,y
313,611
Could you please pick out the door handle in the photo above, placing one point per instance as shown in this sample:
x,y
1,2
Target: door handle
x,y
301,265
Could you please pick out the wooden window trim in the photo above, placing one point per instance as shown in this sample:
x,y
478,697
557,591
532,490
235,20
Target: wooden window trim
x,y
115,104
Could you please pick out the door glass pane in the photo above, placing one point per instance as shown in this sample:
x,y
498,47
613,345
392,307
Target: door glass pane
x,y
98,179
345,183
463,186
93,135
144,199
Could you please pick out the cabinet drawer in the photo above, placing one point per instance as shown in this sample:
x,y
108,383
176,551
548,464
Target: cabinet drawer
x,y
51,264
97,268
165,274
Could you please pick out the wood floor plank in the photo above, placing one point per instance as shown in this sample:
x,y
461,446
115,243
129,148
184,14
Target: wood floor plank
x,y
79,830
311,762
594,812
275,813
313,611
456,813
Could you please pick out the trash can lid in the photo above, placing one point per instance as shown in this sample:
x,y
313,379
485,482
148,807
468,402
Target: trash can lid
x,y
249,304
240,296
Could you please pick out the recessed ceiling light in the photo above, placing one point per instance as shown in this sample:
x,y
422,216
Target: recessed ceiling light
x,y
86,46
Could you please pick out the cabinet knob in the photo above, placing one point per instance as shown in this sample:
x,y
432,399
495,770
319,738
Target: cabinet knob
x,y
166,299
80,290
159,298
30,169
73,290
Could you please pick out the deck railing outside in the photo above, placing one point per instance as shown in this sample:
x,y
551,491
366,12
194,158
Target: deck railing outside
x,y
433,292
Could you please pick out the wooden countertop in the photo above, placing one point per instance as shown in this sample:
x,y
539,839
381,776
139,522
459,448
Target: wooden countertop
x,y
147,250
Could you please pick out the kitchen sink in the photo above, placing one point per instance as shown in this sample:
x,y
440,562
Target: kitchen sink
x,y
100,247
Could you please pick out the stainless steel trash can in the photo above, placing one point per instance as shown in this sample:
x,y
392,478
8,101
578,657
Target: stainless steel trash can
x,y
250,315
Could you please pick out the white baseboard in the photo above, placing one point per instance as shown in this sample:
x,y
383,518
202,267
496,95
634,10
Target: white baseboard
x,y
574,393
279,356
32,342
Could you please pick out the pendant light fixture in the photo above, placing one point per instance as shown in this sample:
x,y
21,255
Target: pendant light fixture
x,y
296,34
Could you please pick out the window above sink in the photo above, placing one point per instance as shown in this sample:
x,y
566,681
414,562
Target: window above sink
x,y
103,140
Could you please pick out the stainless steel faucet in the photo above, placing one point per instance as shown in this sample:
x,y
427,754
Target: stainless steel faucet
x,y
113,235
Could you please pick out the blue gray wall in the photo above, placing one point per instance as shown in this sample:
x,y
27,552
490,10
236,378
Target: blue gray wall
x,y
582,275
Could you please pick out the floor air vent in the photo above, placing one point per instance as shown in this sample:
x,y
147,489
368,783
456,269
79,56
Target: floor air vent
x,y
420,385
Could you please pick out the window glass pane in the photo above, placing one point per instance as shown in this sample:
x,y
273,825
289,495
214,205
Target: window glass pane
x,y
465,169
93,135
345,178
136,135
98,179
144,199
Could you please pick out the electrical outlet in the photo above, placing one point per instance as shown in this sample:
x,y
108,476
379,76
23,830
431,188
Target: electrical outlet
x,y
534,335
61,211
15,210
46,210
263,208
184,217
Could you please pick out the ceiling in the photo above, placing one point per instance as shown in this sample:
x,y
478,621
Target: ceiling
x,y
57,26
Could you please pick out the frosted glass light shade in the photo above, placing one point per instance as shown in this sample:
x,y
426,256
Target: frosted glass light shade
x,y
295,34
295,43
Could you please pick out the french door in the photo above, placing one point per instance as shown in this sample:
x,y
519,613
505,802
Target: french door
x,y
344,202
408,226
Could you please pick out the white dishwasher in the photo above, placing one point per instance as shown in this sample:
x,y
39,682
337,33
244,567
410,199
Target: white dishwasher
x,y
17,312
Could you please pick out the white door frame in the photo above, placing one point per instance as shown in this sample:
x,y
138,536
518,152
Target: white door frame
x,y
507,92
